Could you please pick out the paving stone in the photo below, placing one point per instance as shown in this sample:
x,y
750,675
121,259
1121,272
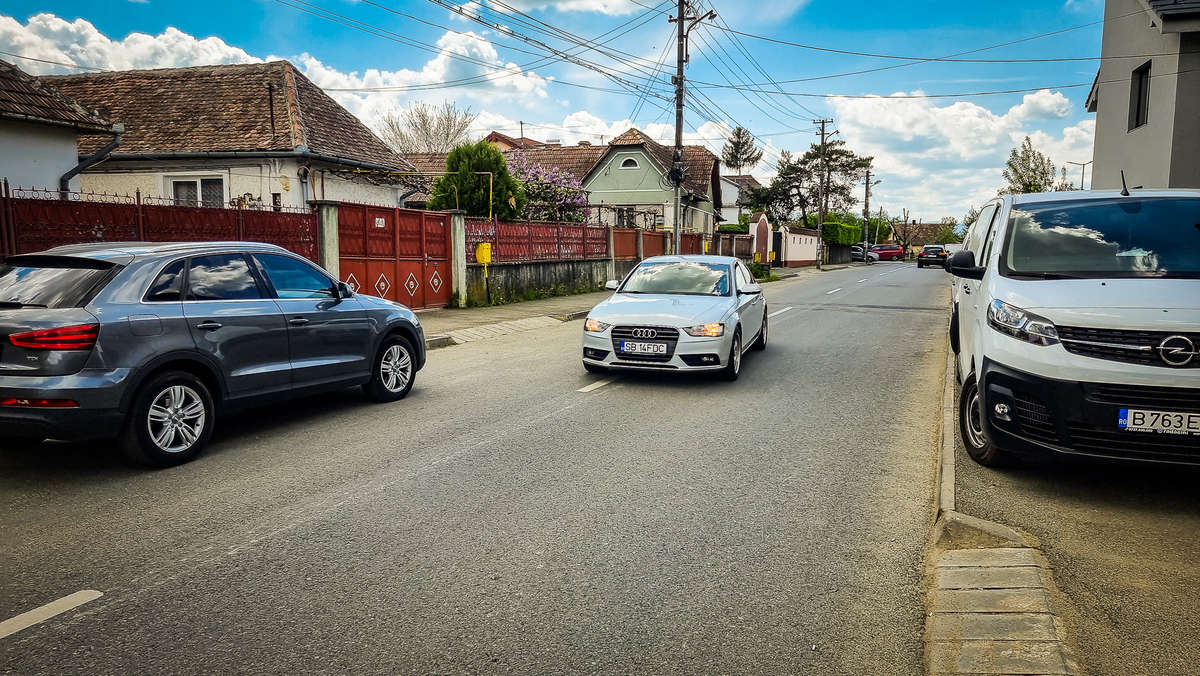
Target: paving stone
x,y
995,556
989,578
992,626
997,657
990,601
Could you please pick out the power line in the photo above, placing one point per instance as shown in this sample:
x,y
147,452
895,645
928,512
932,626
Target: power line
x,y
54,63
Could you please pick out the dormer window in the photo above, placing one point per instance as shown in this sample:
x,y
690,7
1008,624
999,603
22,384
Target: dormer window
x,y
629,163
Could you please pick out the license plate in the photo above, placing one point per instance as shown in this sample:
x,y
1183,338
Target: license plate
x,y
1162,422
643,348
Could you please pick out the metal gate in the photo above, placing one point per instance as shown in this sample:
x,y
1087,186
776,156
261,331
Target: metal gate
x,y
398,254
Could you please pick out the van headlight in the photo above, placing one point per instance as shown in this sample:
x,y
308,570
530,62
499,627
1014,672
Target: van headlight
x,y
1020,324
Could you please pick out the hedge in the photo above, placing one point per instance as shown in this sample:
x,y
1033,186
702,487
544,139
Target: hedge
x,y
838,233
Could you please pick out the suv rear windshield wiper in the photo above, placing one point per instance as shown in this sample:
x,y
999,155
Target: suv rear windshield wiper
x,y
14,304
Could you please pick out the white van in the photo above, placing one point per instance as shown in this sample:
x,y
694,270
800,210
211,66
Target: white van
x,y
1076,326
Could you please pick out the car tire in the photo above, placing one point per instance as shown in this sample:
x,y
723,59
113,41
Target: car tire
x,y
733,363
170,420
592,368
970,428
392,371
760,343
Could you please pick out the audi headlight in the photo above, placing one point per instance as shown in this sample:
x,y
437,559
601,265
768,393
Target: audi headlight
x,y
594,326
1021,324
711,330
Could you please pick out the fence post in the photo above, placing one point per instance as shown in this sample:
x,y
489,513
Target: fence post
x,y
612,254
4,244
141,223
328,244
458,257
641,251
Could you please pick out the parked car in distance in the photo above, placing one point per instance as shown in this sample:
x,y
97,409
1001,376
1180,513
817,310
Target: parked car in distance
x,y
889,252
678,313
856,254
931,254
150,343
1076,325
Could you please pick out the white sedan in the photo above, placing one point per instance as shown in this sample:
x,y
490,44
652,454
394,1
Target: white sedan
x,y
678,313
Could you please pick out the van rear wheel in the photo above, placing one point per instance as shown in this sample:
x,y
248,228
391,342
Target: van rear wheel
x,y
970,427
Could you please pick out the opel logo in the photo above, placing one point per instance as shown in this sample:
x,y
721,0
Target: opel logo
x,y
1177,350
651,333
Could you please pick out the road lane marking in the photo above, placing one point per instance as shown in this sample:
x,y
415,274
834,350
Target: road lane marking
x,y
861,281
28,619
834,291
596,385
779,312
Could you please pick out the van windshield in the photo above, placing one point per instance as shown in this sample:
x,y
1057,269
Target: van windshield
x,y
1104,238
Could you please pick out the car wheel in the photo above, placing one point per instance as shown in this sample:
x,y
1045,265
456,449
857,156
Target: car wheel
x,y
733,364
761,342
970,427
593,368
170,421
392,375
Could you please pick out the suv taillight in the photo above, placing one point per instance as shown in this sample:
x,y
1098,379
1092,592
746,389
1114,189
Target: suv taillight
x,y
81,337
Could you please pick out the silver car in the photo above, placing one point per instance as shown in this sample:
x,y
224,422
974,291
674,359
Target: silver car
x,y
679,313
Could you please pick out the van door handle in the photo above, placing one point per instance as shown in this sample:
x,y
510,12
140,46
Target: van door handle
x,y
297,321
208,326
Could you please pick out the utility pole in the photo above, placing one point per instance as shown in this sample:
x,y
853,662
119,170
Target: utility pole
x,y
821,208
867,212
522,128
684,21
1082,171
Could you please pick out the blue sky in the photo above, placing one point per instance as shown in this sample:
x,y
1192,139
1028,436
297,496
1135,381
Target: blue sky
x,y
934,156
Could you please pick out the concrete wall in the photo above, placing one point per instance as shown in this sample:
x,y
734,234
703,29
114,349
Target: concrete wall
x,y
36,155
1145,153
519,281
612,185
799,248
1185,160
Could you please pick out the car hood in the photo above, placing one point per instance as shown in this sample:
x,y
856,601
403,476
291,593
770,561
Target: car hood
x,y
1146,304
661,309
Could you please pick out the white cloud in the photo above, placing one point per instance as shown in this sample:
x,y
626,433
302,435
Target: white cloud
x,y
1041,105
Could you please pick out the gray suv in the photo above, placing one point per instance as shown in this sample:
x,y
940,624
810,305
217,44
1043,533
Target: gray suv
x,y
149,343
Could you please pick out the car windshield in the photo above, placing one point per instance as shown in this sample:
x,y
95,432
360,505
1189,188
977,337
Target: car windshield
x,y
48,282
679,277
1105,238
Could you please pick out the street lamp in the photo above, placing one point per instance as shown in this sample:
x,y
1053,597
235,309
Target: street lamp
x,y
1082,171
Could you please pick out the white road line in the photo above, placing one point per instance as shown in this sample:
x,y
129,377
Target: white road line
x,y
861,281
834,291
596,385
779,312
28,619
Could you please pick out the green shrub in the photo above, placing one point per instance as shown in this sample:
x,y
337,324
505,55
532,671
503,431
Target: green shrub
x,y
759,270
838,233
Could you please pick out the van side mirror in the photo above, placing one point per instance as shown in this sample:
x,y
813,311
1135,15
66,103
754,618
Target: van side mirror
x,y
612,285
962,264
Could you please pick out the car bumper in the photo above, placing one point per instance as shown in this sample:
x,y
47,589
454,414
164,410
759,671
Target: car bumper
x,y
1069,418
97,416
690,354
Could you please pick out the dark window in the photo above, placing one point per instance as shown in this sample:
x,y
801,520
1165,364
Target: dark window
x,y
277,201
1139,96
185,192
295,279
212,192
221,277
168,286
209,192
629,163
51,283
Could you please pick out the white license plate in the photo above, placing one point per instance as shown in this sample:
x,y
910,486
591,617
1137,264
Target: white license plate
x,y
643,348
1164,422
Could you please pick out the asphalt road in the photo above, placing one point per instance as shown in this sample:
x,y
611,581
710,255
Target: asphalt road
x,y
499,520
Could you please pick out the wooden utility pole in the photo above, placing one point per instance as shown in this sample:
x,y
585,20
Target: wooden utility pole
x,y
823,205
684,20
867,211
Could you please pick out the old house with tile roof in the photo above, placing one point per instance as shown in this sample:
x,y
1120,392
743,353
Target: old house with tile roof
x,y
258,133
731,192
505,142
39,131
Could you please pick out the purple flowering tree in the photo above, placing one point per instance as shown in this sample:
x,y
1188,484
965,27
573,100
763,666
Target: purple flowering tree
x,y
553,194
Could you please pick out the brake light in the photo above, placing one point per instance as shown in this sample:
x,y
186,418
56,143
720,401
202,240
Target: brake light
x,y
82,337
38,403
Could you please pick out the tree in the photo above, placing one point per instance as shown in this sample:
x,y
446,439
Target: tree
x,y
1028,170
426,128
947,235
842,169
467,189
971,217
552,193
787,193
740,151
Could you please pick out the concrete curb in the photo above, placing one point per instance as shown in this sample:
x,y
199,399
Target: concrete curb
x,y
571,316
440,340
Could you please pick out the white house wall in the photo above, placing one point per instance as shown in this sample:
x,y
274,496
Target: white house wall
x,y
35,155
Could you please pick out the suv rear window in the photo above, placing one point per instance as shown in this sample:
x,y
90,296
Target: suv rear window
x,y
39,281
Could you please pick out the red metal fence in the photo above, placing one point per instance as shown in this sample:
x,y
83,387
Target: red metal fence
x,y
625,243
654,243
691,243
398,254
34,220
520,242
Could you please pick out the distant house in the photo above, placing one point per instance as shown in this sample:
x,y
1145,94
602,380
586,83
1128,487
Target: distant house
x,y
732,188
245,134
505,142
629,185
1147,95
797,246
39,129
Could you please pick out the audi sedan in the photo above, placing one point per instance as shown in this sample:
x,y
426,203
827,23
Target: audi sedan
x,y
678,313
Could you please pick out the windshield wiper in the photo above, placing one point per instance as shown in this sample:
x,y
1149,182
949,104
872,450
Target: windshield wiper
x,y
16,304
1050,275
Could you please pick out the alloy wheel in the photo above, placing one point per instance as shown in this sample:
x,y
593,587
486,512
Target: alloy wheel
x,y
395,368
737,354
175,419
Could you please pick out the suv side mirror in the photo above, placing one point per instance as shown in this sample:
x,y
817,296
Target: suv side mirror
x,y
962,264
344,290
612,285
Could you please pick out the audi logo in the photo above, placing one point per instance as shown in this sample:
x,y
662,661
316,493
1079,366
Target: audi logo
x,y
645,333
1177,350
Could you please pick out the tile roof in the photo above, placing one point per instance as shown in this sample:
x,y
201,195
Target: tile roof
x,y
514,142
1171,9
578,160
24,97
236,107
426,162
743,181
698,161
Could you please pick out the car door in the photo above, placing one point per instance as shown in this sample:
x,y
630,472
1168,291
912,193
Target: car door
x,y
236,323
970,303
329,337
751,307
